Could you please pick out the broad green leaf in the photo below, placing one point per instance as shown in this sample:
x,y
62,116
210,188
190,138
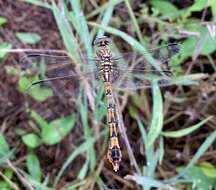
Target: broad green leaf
x,y
186,131
33,166
208,169
23,84
31,140
41,94
198,5
133,112
164,7
196,175
208,45
189,45
20,132
27,37
4,185
57,130
205,41
4,146
3,48
213,7
8,172
38,93
10,70
3,20
39,120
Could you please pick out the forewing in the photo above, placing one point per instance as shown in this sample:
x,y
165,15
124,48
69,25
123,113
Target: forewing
x,y
55,71
134,72
162,56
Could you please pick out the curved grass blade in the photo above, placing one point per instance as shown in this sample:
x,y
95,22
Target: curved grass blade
x,y
186,131
145,181
157,116
206,144
79,150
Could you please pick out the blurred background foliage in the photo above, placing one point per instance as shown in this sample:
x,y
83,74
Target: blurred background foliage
x,y
169,139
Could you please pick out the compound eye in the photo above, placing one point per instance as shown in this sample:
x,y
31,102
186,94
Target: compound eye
x,y
96,42
106,42
109,40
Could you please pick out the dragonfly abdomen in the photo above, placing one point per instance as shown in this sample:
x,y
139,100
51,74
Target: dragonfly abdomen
x,y
114,152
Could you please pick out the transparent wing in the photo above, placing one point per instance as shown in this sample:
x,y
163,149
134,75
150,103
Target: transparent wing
x,y
162,56
57,72
135,72
141,79
55,63
56,69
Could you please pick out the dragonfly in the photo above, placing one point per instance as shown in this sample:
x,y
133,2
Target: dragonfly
x,y
126,71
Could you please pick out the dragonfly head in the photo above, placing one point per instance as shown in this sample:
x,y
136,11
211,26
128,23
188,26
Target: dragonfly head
x,y
102,41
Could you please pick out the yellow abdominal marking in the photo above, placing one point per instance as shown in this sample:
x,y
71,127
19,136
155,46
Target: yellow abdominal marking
x,y
105,67
114,153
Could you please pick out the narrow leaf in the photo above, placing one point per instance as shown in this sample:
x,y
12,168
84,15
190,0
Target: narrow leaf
x,y
186,131
157,115
206,144
27,37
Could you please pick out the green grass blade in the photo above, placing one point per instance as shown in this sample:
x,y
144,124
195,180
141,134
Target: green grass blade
x,y
65,31
186,131
105,21
82,27
79,150
157,116
35,183
147,182
206,144
143,131
134,21
104,7
87,133
39,3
